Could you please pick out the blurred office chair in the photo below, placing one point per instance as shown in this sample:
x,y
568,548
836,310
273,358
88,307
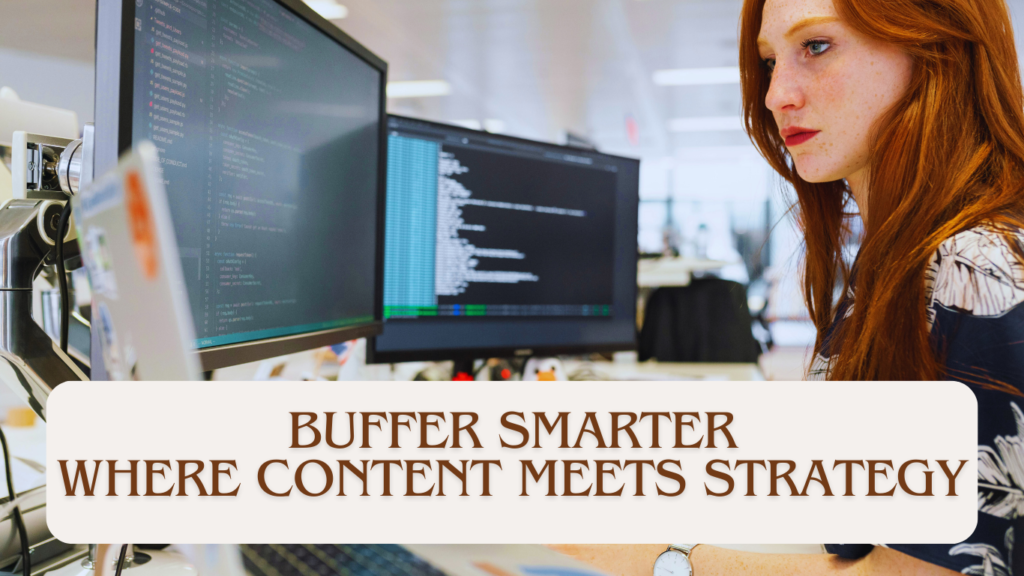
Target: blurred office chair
x,y
707,321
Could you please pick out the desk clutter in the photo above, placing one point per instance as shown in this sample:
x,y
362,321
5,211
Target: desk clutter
x,y
323,365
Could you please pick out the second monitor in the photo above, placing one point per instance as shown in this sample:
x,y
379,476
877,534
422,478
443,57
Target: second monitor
x,y
497,246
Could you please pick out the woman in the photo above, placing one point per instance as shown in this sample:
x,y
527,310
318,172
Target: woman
x,y
911,113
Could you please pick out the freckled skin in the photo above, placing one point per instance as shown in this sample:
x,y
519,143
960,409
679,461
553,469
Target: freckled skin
x,y
638,560
841,91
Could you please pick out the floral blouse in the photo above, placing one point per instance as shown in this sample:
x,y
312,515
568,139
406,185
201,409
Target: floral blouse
x,y
976,290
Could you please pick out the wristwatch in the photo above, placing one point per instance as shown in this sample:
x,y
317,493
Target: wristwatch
x,y
675,561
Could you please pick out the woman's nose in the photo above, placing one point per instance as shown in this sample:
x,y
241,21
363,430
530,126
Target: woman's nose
x,y
784,92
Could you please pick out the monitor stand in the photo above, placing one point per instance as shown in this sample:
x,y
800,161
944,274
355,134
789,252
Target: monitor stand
x,y
36,364
462,371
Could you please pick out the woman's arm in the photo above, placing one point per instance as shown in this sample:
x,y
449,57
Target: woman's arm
x,y
638,560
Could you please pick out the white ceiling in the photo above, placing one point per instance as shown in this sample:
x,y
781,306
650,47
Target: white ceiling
x,y
540,66
546,66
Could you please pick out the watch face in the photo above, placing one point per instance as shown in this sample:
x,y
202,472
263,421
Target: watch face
x,y
672,563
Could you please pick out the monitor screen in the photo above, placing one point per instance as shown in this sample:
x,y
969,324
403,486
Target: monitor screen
x,y
498,246
270,133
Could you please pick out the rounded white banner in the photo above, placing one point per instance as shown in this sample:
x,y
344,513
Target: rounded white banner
x,y
547,462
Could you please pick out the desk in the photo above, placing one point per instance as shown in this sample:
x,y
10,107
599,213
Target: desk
x,y
666,371
658,272
301,365
28,457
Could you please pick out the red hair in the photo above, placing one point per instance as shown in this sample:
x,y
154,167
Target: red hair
x,y
948,156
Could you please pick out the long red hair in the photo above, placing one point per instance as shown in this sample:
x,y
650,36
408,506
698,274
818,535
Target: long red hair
x,y
948,156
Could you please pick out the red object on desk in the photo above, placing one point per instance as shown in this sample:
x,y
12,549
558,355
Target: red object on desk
x,y
463,377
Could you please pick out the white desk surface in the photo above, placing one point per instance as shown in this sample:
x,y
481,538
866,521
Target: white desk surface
x,y
654,273
300,366
28,457
667,371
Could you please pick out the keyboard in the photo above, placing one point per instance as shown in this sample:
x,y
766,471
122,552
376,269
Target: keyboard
x,y
330,559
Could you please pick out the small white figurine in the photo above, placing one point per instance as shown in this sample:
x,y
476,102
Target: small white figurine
x,y
544,369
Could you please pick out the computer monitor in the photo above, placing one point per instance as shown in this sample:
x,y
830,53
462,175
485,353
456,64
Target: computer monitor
x,y
500,247
270,126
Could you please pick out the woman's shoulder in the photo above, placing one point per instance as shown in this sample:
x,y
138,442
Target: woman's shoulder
x,y
978,271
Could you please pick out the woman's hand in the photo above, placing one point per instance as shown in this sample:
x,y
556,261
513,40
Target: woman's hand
x,y
638,560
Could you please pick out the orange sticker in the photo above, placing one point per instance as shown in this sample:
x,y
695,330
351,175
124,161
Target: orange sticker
x,y
140,222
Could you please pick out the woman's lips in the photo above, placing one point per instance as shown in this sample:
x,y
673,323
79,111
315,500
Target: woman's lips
x,y
798,138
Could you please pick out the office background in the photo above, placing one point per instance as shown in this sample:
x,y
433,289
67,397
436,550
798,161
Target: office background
x,y
651,79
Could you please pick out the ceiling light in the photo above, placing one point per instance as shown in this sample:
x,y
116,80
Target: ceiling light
x,y
697,76
706,124
329,9
418,89
494,126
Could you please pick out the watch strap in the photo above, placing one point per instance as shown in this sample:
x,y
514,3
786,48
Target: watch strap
x,y
685,549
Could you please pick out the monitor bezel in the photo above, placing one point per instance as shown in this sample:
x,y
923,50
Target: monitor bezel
x,y
115,59
374,356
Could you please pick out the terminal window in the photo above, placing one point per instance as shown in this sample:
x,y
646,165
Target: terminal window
x,y
482,226
268,132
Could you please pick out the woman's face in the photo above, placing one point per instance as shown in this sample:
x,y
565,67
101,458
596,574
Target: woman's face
x,y
829,85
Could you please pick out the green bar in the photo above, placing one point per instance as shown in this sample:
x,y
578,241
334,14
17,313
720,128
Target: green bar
x,y
392,311
410,310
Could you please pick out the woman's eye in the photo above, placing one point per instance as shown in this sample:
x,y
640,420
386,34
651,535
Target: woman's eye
x,y
817,47
770,64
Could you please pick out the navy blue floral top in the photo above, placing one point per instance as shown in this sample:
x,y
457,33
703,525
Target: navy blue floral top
x,y
976,289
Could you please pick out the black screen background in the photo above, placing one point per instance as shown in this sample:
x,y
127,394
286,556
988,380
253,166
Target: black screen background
x,y
452,338
313,136
573,257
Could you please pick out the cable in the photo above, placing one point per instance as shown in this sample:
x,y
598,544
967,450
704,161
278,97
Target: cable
x,y
62,277
120,559
26,562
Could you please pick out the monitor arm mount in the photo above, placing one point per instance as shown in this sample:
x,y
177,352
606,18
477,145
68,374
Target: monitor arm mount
x,y
46,173
31,363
